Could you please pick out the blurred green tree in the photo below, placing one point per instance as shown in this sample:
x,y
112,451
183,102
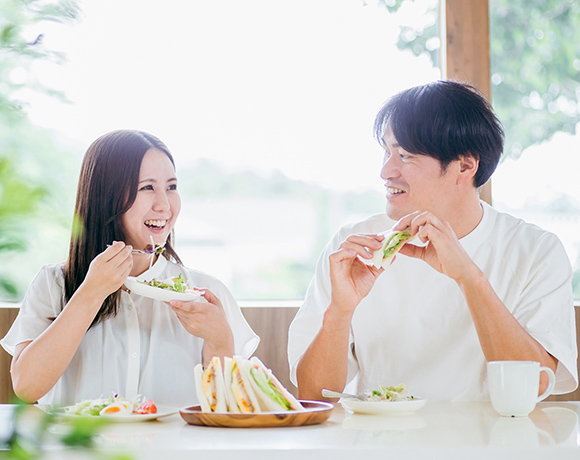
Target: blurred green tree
x,y
535,64
25,149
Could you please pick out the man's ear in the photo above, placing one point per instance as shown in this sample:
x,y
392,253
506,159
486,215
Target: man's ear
x,y
467,169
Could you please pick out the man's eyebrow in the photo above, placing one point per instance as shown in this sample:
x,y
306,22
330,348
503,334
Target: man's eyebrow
x,y
393,146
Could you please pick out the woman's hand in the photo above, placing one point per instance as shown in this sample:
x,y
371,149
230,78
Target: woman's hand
x,y
207,320
109,270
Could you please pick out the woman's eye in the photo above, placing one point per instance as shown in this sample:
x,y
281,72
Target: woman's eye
x,y
146,187
172,187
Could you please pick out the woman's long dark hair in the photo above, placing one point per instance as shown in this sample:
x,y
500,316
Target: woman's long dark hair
x,y
107,188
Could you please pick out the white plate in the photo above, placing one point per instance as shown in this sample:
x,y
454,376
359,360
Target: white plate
x,y
162,411
159,294
382,407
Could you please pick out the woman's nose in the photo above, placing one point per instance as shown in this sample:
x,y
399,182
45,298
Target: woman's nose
x,y
161,202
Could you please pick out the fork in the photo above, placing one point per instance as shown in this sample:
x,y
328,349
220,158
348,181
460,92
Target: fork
x,y
137,251
335,394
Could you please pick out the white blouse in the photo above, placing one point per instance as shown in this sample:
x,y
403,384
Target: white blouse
x,y
143,350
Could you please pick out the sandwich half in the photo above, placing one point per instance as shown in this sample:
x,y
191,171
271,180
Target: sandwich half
x,y
392,243
210,387
273,396
242,390
228,378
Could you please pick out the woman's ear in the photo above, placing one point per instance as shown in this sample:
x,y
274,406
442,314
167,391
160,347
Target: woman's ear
x,y
467,169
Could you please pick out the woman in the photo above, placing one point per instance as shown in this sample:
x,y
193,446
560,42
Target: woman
x,y
80,332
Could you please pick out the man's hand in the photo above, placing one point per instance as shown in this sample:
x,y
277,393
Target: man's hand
x,y
443,251
351,279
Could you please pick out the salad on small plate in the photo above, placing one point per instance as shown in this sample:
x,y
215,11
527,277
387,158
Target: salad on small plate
x,y
117,409
385,400
165,290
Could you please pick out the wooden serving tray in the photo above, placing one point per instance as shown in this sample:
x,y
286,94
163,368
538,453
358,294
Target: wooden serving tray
x,y
315,412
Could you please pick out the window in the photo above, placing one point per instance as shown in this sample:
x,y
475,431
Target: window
x,y
266,105
535,69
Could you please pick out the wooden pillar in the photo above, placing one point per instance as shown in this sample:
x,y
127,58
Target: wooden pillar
x,y
7,316
465,50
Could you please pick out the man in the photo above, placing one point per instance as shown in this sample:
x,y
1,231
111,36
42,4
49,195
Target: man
x,y
478,286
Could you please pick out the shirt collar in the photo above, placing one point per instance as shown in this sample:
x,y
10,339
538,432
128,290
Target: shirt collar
x,y
481,232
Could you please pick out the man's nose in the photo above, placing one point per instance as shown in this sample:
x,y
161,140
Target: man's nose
x,y
390,167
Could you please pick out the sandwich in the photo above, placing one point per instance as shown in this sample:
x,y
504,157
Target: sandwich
x,y
392,243
228,379
245,386
242,396
270,392
210,387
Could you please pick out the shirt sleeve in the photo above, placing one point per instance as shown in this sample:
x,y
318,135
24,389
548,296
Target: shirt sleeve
x,y
546,308
308,320
42,303
246,341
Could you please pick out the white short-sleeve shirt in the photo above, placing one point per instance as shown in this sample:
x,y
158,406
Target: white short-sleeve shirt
x,y
415,326
143,350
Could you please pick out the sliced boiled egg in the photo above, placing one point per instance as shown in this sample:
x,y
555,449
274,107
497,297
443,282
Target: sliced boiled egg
x,y
118,408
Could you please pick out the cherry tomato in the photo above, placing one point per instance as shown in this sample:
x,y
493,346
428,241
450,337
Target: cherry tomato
x,y
148,407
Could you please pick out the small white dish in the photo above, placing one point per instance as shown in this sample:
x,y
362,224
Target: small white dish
x,y
382,407
156,293
162,411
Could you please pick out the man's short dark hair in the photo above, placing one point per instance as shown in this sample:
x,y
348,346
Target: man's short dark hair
x,y
444,120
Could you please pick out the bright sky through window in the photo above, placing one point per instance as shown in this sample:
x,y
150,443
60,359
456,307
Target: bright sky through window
x,y
258,84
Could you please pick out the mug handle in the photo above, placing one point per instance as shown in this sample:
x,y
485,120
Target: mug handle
x,y
551,383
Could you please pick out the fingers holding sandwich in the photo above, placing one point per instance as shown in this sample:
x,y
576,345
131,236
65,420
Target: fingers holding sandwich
x,y
352,279
362,245
442,251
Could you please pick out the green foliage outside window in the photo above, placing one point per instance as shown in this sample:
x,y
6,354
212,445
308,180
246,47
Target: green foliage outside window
x,y
535,65
31,167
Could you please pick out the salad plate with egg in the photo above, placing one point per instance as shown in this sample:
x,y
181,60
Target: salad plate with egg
x,y
165,290
117,409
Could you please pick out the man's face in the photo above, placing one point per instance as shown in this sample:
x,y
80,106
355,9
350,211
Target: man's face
x,y
414,182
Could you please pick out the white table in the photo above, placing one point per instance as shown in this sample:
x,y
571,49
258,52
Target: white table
x,y
440,430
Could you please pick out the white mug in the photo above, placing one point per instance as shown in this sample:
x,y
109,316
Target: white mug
x,y
514,386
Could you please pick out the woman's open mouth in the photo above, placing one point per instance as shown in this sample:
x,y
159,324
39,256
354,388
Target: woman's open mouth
x,y
155,224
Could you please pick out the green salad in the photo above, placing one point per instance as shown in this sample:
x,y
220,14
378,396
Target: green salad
x,y
176,284
396,393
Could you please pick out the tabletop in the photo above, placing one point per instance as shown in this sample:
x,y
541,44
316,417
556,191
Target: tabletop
x,y
439,430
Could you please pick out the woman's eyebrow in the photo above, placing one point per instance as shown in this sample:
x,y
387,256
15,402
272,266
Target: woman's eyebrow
x,y
171,179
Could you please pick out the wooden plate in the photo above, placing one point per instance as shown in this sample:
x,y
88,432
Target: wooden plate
x,y
315,412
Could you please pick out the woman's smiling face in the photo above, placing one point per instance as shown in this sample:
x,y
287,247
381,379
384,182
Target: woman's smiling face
x,y
157,204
